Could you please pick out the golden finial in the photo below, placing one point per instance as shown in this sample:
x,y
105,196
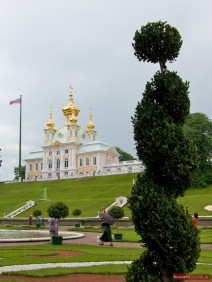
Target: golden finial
x,y
71,90
90,124
50,123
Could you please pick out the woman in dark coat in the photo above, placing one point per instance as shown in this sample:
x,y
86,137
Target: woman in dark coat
x,y
106,236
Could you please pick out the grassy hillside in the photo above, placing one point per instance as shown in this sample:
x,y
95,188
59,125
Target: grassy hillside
x,y
87,194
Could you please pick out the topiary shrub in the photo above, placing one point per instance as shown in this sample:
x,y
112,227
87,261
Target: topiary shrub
x,y
166,229
37,213
58,210
116,212
76,212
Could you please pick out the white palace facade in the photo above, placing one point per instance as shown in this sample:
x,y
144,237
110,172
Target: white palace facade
x,y
71,152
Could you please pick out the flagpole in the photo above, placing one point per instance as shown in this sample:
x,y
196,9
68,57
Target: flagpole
x,y
20,178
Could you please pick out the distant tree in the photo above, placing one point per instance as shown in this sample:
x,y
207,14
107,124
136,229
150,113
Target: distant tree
x,y
166,228
116,212
124,156
198,127
37,213
76,212
58,210
22,174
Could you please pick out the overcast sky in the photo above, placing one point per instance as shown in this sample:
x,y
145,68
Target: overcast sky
x,y
47,45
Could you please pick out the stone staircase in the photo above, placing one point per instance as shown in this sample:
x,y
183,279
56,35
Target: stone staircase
x,y
27,206
120,202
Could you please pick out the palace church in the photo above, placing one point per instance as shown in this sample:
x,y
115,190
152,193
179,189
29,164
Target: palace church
x,y
72,152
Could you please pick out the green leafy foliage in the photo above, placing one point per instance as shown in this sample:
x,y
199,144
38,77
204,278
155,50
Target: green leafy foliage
x,y
157,42
170,159
116,212
58,210
76,212
124,156
198,127
37,213
21,174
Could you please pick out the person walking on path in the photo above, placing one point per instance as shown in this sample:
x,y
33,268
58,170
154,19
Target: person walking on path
x,y
106,236
53,226
195,219
30,220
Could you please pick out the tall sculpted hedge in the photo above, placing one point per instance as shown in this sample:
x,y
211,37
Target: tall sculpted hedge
x,y
166,228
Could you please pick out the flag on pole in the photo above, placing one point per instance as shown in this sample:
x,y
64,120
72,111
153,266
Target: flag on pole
x,y
17,101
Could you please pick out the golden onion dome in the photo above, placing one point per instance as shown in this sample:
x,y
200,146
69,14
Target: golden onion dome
x,y
71,111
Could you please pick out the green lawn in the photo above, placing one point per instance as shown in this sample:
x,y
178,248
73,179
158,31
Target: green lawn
x,y
87,194
47,254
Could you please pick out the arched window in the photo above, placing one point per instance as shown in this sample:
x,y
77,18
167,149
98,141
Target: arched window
x,y
58,163
80,162
66,162
87,161
129,169
94,160
30,167
66,151
50,164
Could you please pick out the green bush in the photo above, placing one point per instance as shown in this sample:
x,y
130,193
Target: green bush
x,y
76,212
170,159
37,213
58,210
116,212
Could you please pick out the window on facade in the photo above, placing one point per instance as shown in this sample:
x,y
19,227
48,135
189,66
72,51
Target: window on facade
x,y
41,166
58,152
94,160
30,167
66,173
50,153
129,169
109,160
66,151
66,162
50,164
36,166
87,161
80,162
58,163
49,175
